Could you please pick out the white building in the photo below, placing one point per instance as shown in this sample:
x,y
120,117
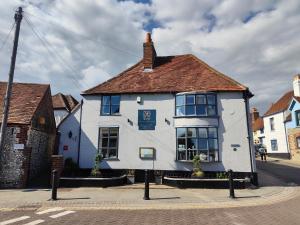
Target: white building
x,y
160,113
276,120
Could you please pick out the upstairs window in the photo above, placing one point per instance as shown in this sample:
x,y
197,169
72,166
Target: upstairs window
x,y
196,105
110,105
272,124
297,117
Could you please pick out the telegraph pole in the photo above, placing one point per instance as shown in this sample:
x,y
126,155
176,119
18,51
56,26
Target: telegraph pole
x,y
18,19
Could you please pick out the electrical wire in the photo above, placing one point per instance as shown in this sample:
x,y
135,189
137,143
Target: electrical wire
x,y
7,36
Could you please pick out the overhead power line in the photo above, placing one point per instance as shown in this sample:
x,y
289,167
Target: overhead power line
x,y
7,36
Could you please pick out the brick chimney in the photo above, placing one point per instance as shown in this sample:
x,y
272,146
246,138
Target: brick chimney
x,y
296,85
149,53
255,114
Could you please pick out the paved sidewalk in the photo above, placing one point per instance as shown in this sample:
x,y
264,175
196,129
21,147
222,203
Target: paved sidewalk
x,y
162,197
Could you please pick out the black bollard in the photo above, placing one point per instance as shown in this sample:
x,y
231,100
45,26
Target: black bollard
x,y
146,194
54,185
231,184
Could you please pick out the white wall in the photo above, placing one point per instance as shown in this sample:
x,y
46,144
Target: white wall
x,y
71,123
232,130
59,115
278,134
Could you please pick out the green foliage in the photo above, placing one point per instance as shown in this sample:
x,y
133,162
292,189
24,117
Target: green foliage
x,y
96,170
197,171
221,175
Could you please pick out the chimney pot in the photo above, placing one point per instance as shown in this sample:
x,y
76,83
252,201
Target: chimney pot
x,y
149,53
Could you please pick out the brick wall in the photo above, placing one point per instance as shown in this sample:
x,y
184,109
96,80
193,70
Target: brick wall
x,y
57,164
292,138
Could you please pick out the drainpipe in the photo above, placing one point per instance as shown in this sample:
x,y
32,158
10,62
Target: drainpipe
x,y
245,96
79,133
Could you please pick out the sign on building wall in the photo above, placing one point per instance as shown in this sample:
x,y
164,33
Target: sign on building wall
x,y
147,153
147,119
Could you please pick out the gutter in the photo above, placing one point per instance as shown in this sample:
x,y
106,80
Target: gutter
x,y
245,96
286,138
79,133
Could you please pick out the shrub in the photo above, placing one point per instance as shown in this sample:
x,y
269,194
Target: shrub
x,y
96,170
197,172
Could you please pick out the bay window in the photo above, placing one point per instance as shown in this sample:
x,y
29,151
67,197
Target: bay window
x,y
202,141
196,105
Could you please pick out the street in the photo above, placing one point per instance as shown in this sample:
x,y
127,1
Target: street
x,y
285,212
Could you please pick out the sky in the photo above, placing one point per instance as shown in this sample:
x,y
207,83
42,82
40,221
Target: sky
x,y
76,44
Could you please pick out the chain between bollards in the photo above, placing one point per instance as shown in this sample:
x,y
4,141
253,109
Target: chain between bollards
x,y
231,184
146,194
54,185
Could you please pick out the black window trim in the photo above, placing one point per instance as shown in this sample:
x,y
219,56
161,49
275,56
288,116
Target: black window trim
x,y
117,147
197,136
185,94
110,105
296,118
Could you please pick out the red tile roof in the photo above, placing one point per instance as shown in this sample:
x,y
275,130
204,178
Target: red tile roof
x,y
281,105
171,74
61,101
258,124
24,101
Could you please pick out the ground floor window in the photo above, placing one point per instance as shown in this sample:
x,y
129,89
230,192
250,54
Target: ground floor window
x,y
274,146
108,142
298,142
201,141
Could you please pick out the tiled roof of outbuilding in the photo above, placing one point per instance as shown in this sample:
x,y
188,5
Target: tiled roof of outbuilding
x,y
180,73
61,101
25,99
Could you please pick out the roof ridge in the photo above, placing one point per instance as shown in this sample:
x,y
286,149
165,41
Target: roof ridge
x,y
5,82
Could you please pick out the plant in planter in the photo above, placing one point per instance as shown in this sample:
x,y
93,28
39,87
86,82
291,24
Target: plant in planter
x,y
197,171
130,176
70,167
96,170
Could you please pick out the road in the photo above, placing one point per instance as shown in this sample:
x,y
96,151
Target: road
x,y
283,213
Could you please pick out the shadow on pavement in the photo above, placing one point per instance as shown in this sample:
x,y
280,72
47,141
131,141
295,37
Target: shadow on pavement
x,y
164,198
254,196
84,198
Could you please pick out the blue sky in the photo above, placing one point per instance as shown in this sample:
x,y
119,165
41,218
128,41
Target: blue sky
x,y
87,42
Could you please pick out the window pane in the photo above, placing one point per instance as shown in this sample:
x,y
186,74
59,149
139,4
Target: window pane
x,y
211,110
115,109
213,156
201,110
104,152
203,155
200,99
105,100
202,132
190,99
191,132
180,111
113,142
104,142
211,99
180,100
191,154
103,132
181,155
115,99
112,153
105,110
191,143
181,132
213,144
212,132
113,132
181,144
190,110
203,144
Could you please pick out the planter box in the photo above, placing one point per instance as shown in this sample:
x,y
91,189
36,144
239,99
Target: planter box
x,y
92,181
130,179
158,179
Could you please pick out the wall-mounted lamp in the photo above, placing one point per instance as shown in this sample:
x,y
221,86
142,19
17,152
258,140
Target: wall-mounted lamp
x,y
70,134
139,99
167,121
130,122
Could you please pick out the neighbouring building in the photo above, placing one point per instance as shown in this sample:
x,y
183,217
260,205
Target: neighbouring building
x,y
30,135
62,106
257,127
160,113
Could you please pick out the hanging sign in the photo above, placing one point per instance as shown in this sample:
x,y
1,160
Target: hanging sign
x,y
147,119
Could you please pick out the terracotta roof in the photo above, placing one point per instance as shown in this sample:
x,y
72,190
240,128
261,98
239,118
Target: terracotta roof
x,y
258,124
170,74
61,101
24,101
281,105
